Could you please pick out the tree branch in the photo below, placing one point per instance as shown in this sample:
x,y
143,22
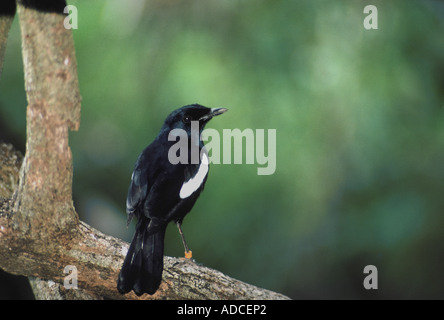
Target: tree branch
x,y
98,258
51,84
40,232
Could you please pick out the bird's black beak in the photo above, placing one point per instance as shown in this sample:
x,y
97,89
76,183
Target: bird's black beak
x,y
214,112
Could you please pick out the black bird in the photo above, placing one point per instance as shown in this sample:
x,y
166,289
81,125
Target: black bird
x,y
163,190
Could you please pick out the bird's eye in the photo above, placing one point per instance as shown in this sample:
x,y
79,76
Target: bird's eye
x,y
186,119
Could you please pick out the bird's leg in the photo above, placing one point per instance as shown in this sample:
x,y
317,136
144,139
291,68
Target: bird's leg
x,y
188,253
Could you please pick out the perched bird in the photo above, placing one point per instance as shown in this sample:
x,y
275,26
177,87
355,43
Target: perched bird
x,y
163,190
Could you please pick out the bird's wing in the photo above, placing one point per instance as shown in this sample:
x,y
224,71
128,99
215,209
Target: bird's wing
x,y
138,188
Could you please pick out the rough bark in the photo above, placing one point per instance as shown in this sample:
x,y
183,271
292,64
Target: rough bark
x,y
51,84
7,13
10,162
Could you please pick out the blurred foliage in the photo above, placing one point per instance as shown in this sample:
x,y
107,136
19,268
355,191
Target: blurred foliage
x,y
360,134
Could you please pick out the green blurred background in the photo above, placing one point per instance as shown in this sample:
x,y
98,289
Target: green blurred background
x,y
359,116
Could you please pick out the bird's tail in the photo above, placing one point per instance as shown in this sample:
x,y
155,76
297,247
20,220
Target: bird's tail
x,y
143,265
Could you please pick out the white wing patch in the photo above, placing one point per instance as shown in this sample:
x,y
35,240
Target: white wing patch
x,y
195,182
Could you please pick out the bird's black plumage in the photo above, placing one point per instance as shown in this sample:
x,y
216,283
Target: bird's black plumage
x,y
160,192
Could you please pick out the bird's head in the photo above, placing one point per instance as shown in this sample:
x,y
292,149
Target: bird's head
x,y
182,118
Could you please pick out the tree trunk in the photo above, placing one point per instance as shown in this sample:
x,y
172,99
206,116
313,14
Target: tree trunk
x,y
7,13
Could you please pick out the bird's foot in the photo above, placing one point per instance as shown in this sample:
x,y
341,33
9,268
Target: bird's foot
x,y
188,254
